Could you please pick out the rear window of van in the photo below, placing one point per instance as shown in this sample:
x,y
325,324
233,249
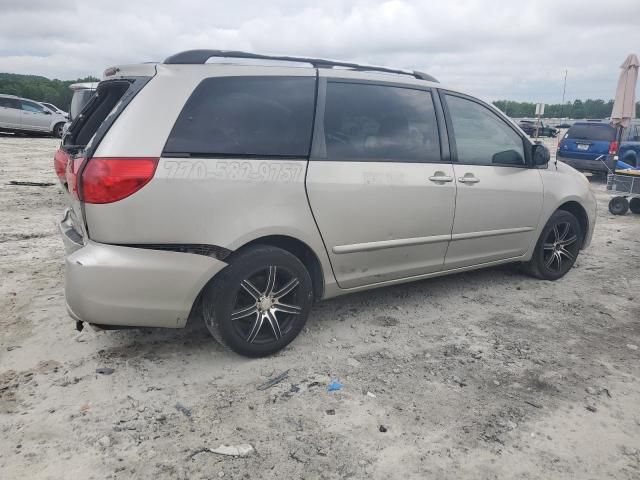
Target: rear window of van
x,y
246,116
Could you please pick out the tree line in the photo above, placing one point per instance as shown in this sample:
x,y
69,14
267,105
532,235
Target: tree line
x,y
57,92
40,88
576,109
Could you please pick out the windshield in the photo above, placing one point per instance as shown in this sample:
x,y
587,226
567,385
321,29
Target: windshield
x,y
597,132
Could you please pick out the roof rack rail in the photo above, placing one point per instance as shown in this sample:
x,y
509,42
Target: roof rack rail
x,y
201,56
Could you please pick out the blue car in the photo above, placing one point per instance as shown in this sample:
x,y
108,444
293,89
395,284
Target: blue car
x,y
629,151
586,141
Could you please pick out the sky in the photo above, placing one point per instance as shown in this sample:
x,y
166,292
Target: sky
x,y
495,49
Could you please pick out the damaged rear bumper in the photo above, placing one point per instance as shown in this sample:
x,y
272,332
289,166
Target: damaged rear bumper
x,y
127,286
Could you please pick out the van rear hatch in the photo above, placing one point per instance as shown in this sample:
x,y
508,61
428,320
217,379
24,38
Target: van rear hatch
x,y
588,141
85,134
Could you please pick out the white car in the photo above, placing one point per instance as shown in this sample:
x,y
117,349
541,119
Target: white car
x,y
55,109
22,115
246,192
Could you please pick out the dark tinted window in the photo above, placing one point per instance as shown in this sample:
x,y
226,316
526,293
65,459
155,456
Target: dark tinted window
x,y
374,122
95,110
483,138
263,116
594,131
9,103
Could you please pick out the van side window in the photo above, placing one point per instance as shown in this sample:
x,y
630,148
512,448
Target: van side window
x,y
246,116
9,103
481,137
364,122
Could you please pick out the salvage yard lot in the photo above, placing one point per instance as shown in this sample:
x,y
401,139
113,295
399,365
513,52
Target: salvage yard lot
x,y
486,374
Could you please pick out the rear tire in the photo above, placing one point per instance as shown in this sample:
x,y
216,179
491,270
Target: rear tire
x,y
260,302
618,205
634,204
557,248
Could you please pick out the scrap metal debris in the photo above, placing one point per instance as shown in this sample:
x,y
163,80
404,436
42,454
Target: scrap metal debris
x,y
241,450
184,410
31,184
274,381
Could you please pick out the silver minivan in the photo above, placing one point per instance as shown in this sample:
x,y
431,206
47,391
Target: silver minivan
x,y
22,115
244,193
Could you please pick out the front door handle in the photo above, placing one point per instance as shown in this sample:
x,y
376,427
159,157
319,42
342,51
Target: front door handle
x,y
468,179
438,177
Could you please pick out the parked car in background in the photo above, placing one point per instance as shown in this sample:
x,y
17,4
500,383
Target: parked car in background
x,y
563,124
585,142
629,150
22,115
82,93
54,109
246,192
544,130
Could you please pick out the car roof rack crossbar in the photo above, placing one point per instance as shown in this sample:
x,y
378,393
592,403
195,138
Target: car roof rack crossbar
x,y
201,56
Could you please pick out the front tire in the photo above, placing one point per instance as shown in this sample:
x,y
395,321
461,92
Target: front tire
x,y
58,129
557,248
260,302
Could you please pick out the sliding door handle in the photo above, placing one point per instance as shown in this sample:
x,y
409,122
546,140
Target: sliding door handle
x,y
470,179
440,177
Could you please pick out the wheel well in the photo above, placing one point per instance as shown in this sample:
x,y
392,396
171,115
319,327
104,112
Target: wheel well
x,y
579,212
298,248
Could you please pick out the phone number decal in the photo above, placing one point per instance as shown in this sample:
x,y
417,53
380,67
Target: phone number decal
x,y
254,171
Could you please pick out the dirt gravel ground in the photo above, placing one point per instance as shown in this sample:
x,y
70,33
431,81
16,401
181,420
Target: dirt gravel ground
x,y
488,374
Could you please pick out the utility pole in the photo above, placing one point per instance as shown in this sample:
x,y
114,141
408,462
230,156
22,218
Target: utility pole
x,y
564,90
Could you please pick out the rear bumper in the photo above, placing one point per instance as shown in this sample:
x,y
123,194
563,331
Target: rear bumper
x,y
126,286
580,164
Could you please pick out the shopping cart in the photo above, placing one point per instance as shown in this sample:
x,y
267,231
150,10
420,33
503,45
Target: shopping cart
x,y
624,188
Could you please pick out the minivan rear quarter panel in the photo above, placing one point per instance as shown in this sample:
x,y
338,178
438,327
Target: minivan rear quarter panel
x,y
208,199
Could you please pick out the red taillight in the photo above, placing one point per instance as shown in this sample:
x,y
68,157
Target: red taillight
x,y
60,161
613,148
109,179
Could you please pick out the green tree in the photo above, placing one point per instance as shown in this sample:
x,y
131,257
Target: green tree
x,y
590,108
40,88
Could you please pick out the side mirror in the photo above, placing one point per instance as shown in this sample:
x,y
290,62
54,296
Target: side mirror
x,y
46,112
540,155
